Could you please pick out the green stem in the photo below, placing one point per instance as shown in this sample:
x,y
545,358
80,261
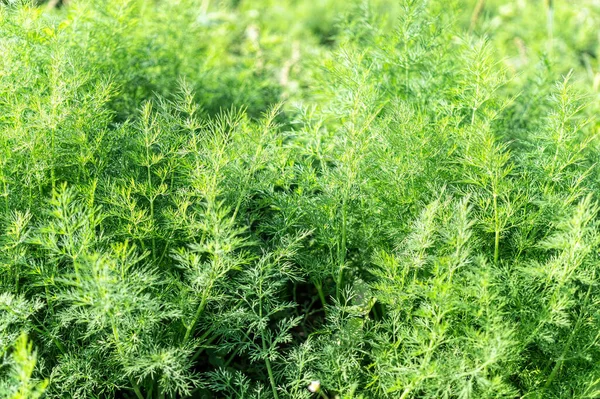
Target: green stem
x,y
319,287
497,230
134,384
342,251
242,192
166,248
264,347
43,332
406,67
204,6
207,342
17,280
475,103
475,15
269,369
52,171
136,388
48,301
550,23
190,328
567,346
6,204
323,394
58,344
151,198
405,392
228,361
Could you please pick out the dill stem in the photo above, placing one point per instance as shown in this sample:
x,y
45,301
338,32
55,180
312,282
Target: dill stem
x,y
136,388
476,13
190,328
342,251
204,6
246,183
550,23
151,198
228,361
58,344
6,203
208,342
134,384
264,348
406,68
475,104
497,229
45,333
166,249
269,369
405,392
52,169
48,301
561,358
567,346
323,394
319,287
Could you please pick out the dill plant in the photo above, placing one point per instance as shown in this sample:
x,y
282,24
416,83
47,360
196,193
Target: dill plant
x,y
371,199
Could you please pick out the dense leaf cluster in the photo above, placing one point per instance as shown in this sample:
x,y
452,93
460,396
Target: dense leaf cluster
x,y
299,199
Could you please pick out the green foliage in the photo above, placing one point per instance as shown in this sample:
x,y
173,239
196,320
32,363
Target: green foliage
x,y
287,199
18,383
